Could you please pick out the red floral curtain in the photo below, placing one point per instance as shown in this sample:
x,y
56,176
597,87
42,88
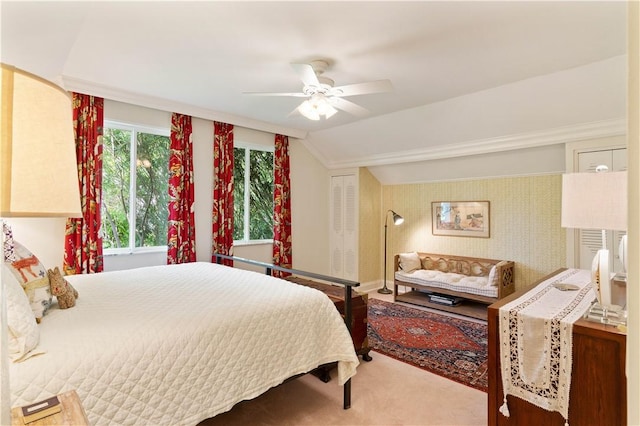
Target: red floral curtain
x,y
282,250
83,243
222,241
181,242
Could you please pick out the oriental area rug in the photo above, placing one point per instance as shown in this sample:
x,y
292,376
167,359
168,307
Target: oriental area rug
x,y
447,346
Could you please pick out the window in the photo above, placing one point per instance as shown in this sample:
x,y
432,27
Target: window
x,y
252,194
135,176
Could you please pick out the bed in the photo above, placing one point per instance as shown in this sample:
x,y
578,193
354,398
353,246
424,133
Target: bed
x,y
176,344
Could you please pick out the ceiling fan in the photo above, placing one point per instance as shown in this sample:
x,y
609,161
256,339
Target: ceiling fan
x,y
323,98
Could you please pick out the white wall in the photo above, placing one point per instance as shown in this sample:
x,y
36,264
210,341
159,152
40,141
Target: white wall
x,y
44,237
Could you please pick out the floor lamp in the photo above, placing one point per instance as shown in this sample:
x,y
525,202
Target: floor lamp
x,y
397,220
38,171
596,201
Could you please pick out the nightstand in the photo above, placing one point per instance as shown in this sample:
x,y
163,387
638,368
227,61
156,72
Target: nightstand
x,y
72,413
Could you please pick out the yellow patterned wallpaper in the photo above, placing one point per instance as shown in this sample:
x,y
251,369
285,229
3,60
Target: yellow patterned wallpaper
x,y
524,220
369,243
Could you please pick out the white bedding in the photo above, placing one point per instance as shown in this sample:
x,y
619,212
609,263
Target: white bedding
x,y
173,345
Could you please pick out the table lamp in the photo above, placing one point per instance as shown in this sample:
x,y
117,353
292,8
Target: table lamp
x,y
38,171
596,201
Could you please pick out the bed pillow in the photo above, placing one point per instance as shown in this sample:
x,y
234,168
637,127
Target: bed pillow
x,y
22,330
410,262
32,276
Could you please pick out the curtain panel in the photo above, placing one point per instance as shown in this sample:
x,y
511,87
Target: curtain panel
x,y
282,250
83,243
181,232
222,238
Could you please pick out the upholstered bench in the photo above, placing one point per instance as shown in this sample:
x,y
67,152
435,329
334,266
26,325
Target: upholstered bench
x,y
465,285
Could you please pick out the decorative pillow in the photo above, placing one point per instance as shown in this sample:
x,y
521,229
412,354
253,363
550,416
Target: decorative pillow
x,y
22,329
409,262
32,276
493,275
8,249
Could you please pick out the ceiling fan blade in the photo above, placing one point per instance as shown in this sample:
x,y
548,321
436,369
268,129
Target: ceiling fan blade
x,y
348,106
295,94
378,86
306,74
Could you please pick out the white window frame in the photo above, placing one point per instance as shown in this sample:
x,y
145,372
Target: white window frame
x,y
248,147
134,129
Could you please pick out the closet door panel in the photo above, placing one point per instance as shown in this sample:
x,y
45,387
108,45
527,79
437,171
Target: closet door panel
x,y
343,239
350,240
336,237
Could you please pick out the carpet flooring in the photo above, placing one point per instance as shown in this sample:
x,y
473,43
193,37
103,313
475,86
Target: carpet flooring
x,y
449,347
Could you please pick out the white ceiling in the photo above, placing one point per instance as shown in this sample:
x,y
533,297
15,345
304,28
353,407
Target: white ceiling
x,y
462,72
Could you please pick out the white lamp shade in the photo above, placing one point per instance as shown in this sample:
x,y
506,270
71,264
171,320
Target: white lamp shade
x,y
595,200
38,171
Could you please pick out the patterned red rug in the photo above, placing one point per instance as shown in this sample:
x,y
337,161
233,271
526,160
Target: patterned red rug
x,y
449,347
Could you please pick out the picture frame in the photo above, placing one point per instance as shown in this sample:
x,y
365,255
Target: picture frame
x,y
460,218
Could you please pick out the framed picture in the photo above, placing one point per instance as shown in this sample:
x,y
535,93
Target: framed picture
x,y
460,218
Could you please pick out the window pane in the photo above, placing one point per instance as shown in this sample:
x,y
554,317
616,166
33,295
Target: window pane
x,y
261,200
115,187
152,198
238,193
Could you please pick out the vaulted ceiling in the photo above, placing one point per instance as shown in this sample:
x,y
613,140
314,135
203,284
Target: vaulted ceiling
x,y
464,74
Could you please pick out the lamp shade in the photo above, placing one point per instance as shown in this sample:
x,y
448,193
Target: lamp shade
x,y
38,171
397,219
595,201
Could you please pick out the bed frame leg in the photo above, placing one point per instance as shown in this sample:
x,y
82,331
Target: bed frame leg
x,y
347,394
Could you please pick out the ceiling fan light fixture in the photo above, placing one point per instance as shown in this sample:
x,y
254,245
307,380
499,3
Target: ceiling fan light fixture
x,y
324,107
308,110
317,106
323,98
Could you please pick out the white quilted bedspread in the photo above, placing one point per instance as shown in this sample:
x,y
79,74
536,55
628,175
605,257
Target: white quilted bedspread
x,y
173,345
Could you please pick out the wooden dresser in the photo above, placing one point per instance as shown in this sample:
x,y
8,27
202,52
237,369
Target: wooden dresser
x,y
598,394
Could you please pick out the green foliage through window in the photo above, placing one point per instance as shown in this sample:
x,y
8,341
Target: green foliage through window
x,y
134,188
253,194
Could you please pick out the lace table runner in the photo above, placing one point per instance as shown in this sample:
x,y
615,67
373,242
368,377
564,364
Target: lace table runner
x,y
536,341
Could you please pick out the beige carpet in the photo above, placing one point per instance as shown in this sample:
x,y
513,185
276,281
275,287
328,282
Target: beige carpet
x,y
384,392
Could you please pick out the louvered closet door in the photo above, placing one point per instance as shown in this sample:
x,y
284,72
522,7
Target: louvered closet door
x,y
344,228
590,241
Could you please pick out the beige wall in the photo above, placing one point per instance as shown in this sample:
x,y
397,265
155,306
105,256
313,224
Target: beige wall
x,y
369,241
309,210
524,220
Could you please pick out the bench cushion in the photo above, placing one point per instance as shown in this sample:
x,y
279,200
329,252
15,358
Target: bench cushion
x,y
450,281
